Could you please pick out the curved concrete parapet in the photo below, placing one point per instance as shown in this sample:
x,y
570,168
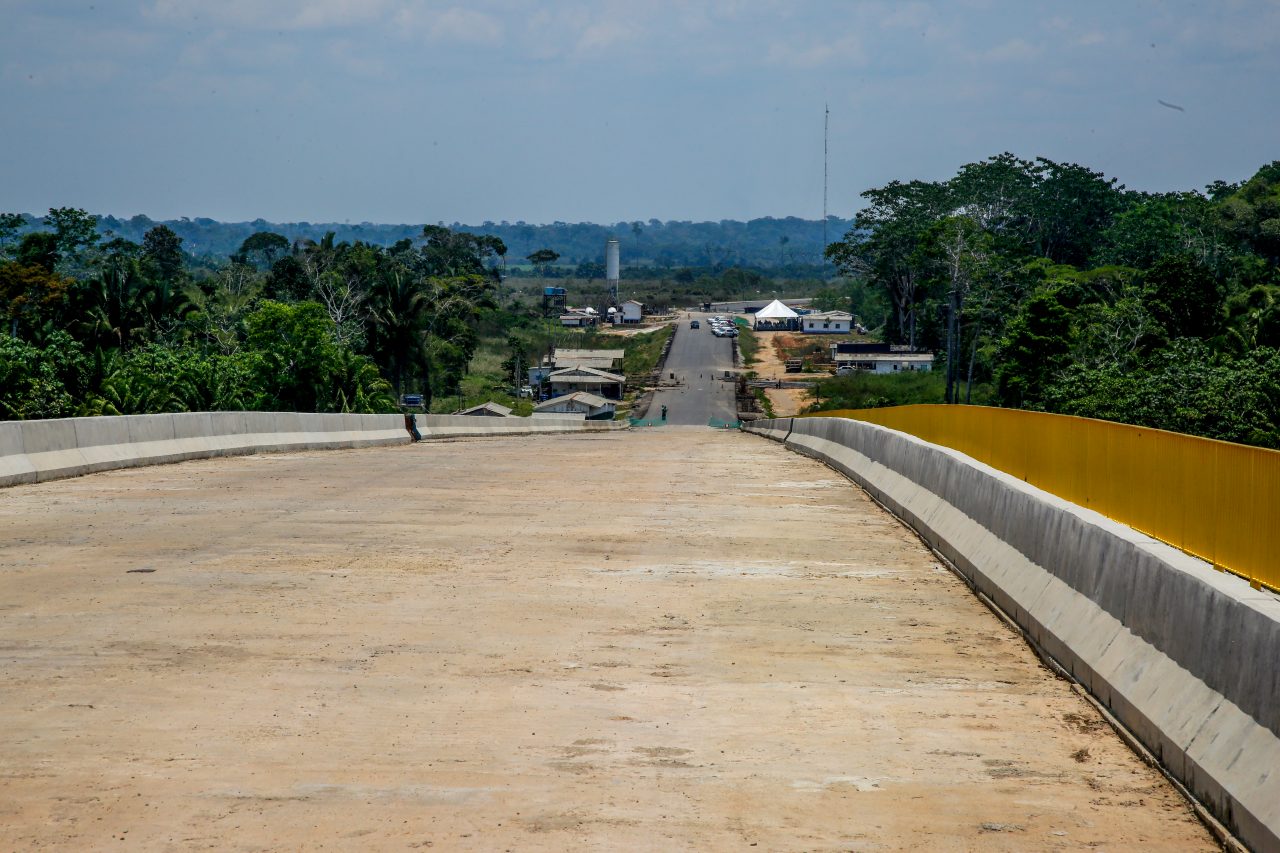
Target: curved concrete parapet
x,y
1184,656
460,426
35,451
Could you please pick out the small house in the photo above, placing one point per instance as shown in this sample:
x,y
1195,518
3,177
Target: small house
x,y
883,362
632,311
826,323
590,406
592,380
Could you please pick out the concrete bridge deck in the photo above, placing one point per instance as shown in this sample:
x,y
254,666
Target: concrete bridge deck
x,y
671,639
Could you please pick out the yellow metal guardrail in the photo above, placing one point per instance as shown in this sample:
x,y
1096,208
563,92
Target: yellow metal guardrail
x,y
1212,499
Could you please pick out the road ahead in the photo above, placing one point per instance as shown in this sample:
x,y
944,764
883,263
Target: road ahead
x,y
698,359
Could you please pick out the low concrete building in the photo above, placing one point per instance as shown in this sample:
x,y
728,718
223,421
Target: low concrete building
x,y
632,311
590,406
883,362
590,379
487,410
826,323
579,318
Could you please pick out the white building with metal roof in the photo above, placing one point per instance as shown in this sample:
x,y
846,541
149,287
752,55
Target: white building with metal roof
x,y
590,406
601,382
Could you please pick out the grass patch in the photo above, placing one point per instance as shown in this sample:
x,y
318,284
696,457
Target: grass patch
x,y
766,405
876,390
642,351
748,345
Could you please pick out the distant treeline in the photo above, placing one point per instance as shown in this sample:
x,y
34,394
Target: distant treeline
x,y
767,243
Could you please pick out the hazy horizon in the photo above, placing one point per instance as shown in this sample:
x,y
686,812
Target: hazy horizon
x,y
393,111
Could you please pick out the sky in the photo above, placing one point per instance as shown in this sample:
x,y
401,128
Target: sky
x,y
434,110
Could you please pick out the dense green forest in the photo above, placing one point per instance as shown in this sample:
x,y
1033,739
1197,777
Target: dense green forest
x,y
1049,286
766,243
121,327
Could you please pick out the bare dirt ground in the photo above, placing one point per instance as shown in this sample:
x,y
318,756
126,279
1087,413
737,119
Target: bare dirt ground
x,y
771,365
675,639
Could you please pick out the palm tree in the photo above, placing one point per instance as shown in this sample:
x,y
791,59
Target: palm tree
x,y
399,318
118,309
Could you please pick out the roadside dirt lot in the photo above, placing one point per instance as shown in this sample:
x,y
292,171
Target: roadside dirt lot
x,y
673,639
771,365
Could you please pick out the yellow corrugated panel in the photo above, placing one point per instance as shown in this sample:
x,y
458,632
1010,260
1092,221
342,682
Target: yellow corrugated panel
x,y
1212,499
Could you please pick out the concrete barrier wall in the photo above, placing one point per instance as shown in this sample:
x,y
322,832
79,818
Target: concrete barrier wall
x,y
1186,658
458,426
35,451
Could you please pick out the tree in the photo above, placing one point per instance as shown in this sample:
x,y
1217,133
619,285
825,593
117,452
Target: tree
x,y
542,259
75,230
1157,226
162,247
997,194
10,225
30,293
1187,388
455,253
115,310
399,316
884,246
1253,319
261,249
1069,211
1251,214
39,382
296,355
40,249
1035,346
1183,297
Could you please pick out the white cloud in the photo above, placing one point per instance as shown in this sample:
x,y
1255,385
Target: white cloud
x,y
466,25
1013,50
847,50
272,15
603,35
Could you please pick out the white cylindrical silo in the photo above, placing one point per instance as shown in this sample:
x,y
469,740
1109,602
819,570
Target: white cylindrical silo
x,y
611,259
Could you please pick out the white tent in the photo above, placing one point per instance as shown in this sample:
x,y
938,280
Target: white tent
x,y
775,315
775,310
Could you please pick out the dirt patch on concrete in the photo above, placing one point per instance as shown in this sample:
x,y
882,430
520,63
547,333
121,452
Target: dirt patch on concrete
x,y
676,639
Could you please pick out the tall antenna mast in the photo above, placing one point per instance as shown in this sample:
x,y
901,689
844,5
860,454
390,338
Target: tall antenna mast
x,y
826,124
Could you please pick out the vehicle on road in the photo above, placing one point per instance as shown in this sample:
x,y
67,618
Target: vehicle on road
x,y
694,324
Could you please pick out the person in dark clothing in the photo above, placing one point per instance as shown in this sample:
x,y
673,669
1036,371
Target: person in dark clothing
x,y
411,424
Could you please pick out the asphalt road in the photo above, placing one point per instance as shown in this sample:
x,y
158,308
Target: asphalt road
x,y
699,360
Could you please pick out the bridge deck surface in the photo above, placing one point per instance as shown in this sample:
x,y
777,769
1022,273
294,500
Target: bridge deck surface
x,y
678,638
